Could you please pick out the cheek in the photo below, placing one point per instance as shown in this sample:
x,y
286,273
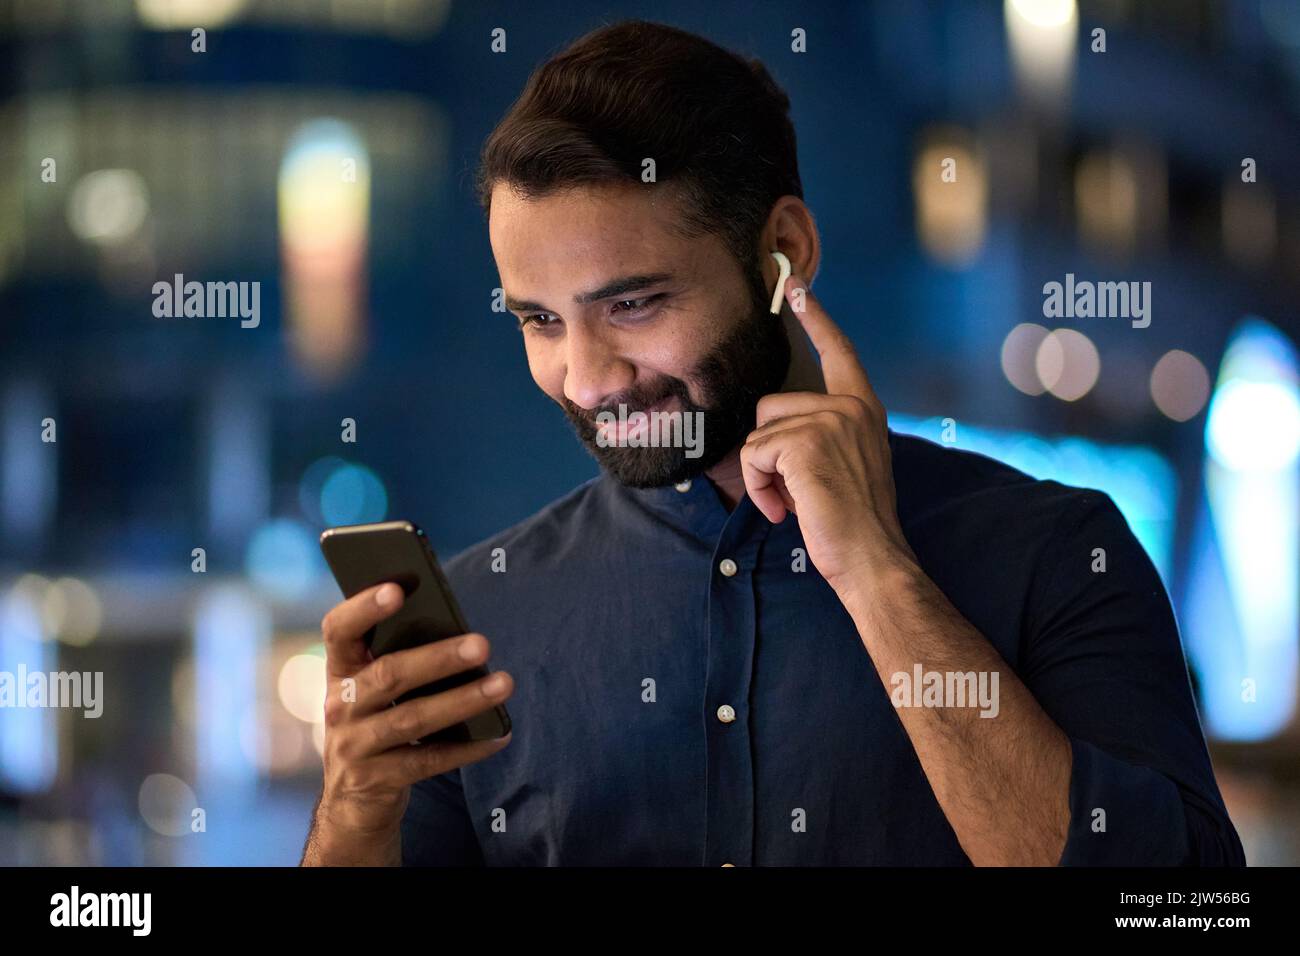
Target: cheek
x,y
547,369
674,348
679,355
678,359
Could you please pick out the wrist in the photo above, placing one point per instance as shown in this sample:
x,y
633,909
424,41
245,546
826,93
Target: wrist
x,y
871,587
359,821
340,837
876,573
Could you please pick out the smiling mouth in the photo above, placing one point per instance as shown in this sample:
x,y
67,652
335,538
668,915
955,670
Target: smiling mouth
x,y
631,424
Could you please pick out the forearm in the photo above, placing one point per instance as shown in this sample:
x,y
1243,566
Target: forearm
x,y
1002,782
332,844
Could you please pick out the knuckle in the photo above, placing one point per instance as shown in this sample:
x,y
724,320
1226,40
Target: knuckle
x,y
352,779
342,745
846,422
329,626
336,710
405,722
384,676
833,417
377,734
431,761
856,407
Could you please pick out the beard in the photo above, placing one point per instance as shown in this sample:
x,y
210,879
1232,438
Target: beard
x,y
752,361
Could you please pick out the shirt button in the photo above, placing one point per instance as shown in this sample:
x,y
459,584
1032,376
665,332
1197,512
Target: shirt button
x,y
726,713
683,486
727,567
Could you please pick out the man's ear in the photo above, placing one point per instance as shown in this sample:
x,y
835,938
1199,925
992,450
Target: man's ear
x,y
790,230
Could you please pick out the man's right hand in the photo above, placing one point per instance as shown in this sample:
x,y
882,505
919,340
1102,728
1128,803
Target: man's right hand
x,y
370,762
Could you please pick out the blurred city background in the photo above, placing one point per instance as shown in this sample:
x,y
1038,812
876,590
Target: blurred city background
x,y
1162,149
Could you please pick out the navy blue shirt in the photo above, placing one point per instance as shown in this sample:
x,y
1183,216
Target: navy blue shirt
x,y
673,709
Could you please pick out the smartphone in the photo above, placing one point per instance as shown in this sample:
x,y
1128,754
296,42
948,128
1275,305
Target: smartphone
x,y
364,555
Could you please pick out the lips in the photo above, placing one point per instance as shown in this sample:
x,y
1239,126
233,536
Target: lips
x,y
618,431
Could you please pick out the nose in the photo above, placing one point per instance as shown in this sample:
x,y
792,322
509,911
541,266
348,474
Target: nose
x,y
594,371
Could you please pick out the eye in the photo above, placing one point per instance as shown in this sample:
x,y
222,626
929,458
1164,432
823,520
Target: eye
x,y
542,320
634,306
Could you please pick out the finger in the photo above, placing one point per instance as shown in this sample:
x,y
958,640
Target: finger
x,y
413,764
843,373
761,469
345,626
389,677
416,718
787,499
792,404
820,416
789,422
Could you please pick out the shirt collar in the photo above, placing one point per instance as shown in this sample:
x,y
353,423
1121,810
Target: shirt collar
x,y
693,506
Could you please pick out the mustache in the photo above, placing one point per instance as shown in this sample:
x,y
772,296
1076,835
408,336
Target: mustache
x,y
638,399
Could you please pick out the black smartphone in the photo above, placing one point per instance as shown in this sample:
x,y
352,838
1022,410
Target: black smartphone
x,y
364,555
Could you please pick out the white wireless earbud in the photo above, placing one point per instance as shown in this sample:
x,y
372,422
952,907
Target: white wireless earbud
x,y
779,292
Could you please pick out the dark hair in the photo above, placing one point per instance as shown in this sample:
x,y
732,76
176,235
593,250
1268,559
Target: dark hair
x,y
717,126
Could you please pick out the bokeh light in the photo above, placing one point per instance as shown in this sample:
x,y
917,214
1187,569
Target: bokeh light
x,y
167,804
1254,426
1067,364
1180,385
1254,419
283,559
301,686
1041,35
72,611
312,483
353,494
950,187
108,206
186,14
324,208
1019,357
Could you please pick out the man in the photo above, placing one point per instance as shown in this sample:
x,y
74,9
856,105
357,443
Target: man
x,y
808,640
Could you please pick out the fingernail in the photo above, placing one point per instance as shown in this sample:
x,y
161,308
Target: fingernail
x,y
794,282
494,685
387,595
469,649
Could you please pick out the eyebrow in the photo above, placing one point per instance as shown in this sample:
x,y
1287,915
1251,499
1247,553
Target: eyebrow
x,y
619,286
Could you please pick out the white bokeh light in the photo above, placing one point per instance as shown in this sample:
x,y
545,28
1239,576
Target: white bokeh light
x,y
108,206
302,687
1019,354
1067,364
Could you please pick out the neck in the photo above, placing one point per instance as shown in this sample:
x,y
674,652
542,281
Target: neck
x,y
804,375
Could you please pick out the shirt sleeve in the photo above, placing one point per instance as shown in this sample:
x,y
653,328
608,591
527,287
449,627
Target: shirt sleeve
x,y
1102,656
436,828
